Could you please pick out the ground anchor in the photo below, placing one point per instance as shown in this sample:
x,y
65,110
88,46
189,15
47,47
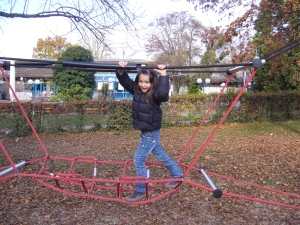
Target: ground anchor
x,y
217,193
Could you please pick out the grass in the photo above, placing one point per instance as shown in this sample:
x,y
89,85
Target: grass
x,y
211,152
261,128
49,120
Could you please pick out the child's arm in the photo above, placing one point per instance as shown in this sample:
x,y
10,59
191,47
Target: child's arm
x,y
162,92
124,79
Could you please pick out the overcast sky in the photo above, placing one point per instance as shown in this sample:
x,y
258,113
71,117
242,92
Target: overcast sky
x,y
19,36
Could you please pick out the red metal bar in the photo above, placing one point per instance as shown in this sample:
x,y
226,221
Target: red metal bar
x,y
8,157
119,190
84,187
57,184
23,112
254,185
220,123
204,118
245,197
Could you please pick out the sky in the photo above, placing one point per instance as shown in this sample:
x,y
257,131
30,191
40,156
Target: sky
x,y
18,36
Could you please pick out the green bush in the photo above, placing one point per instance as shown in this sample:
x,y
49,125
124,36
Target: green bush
x,y
74,84
187,110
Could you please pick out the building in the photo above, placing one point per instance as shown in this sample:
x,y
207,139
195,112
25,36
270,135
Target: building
x,y
35,81
115,90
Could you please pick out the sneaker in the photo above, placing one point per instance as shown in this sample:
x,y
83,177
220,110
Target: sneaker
x,y
136,196
172,184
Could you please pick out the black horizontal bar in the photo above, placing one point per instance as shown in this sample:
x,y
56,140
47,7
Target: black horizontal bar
x,y
200,67
113,66
53,61
32,65
113,70
197,71
95,65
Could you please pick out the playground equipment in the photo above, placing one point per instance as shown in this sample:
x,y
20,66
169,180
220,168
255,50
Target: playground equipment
x,y
91,185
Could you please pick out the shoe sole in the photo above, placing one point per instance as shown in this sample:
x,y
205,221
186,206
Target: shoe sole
x,y
135,199
172,186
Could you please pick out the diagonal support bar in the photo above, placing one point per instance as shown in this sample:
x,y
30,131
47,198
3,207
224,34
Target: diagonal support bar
x,y
10,169
219,124
217,193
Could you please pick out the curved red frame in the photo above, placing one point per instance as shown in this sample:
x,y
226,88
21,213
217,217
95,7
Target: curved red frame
x,y
86,187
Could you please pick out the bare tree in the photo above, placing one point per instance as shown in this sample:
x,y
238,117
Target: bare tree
x,y
241,16
96,16
176,40
99,49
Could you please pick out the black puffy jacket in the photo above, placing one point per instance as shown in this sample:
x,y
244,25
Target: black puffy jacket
x,y
146,116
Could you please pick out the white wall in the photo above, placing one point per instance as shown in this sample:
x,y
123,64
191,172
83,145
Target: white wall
x,y
22,96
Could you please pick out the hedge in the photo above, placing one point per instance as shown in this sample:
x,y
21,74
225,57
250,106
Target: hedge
x,y
186,110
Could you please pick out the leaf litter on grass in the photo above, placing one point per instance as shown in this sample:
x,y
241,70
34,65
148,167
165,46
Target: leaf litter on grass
x,y
267,157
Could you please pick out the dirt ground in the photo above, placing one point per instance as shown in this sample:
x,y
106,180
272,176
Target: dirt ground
x,y
264,154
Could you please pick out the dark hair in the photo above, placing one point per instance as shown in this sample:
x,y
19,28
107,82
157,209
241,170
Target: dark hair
x,y
153,79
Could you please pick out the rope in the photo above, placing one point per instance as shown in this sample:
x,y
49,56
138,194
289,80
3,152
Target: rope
x,y
281,50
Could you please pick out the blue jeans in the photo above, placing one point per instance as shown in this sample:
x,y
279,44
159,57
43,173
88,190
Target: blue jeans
x,y
150,143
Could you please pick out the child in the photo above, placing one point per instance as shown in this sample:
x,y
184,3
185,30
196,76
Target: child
x,y
148,92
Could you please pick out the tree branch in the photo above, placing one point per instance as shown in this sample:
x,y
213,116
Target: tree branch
x,y
98,16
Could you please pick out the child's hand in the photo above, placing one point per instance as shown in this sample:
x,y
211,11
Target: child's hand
x,y
161,70
122,64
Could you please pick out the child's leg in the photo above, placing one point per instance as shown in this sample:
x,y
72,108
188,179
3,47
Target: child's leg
x,y
162,156
171,165
146,145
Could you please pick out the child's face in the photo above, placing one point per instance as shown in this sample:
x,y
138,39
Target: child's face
x,y
144,82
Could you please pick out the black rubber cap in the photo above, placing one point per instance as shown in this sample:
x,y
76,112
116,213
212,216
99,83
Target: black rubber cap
x,y
217,193
228,72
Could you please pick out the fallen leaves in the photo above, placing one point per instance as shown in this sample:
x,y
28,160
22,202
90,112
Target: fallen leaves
x,y
269,160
